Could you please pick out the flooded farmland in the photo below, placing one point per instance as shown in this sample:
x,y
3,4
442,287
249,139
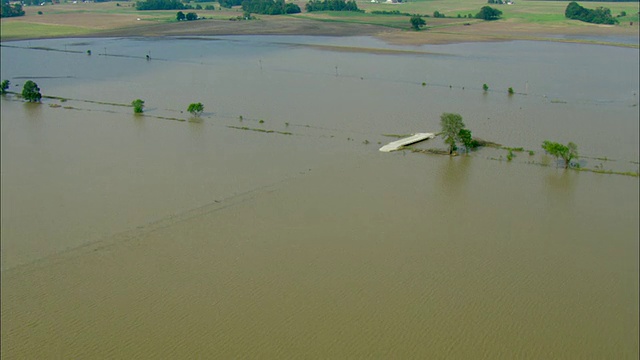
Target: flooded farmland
x,y
272,227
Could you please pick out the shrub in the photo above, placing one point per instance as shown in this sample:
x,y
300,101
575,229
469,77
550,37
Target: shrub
x,y
195,109
138,106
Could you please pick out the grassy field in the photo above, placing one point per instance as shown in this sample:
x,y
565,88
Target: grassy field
x,y
519,21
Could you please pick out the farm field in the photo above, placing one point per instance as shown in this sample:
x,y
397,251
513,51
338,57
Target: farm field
x,y
524,20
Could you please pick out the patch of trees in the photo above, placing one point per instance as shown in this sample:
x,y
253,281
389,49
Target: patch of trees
x,y
180,16
9,10
599,15
417,22
454,131
31,92
229,3
488,13
438,14
332,5
160,5
566,153
269,7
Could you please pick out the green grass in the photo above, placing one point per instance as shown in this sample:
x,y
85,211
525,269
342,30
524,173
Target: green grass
x,y
13,30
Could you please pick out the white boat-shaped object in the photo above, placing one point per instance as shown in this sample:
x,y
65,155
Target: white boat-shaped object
x,y
395,145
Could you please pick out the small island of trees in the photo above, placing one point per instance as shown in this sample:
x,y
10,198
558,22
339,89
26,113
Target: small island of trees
x,y
454,131
31,92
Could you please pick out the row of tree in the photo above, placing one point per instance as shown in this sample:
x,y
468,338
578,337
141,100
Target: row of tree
x,y
486,13
180,16
269,7
453,129
161,5
229,3
599,15
332,5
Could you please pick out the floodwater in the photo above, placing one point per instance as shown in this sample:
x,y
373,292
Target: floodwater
x,y
285,233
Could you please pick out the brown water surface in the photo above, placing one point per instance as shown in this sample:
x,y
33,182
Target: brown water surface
x,y
150,237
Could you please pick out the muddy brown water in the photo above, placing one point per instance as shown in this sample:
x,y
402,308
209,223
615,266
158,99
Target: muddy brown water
x,y
160,236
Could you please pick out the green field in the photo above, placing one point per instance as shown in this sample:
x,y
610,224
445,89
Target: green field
x,y
66,19
29,30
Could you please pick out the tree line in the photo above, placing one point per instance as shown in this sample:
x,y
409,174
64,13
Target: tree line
x,y
332,5
161,5
599,15
269,7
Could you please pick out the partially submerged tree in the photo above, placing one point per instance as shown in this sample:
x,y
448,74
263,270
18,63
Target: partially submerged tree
x,y
417,22
566,153
138,106
4,86
31,92
464,135
195,109
485,87
451,125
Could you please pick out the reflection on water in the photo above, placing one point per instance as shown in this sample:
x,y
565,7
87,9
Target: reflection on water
x,y
454,175
159,236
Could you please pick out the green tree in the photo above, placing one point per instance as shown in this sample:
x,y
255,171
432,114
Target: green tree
x,y
138,106
599,15
451,125
9,10
485,87
195,109
464,135
566,153
417,21
31,92
510,91
180,16
4,86
191,16
488,13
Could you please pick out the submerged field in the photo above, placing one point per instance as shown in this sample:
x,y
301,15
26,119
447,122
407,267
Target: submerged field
x,y
272,227
529,20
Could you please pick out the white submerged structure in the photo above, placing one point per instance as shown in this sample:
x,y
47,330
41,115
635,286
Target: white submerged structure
x,y
395,145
